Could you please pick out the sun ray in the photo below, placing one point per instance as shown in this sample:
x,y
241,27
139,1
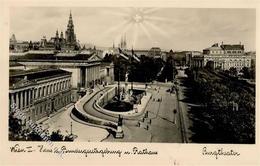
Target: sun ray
x,y
114,28
157,18
123,32
135,35
156,28
115,13
150,10
146,32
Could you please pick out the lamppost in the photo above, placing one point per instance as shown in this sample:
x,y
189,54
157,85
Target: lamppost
x,y
71,128
174,115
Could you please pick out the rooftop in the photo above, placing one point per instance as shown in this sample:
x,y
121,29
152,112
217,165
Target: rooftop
x,y
19,77
232,47
14,64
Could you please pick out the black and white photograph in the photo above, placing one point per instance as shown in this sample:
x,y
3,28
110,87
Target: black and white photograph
x,y
132,74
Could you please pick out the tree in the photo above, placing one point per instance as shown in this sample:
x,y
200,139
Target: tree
x,y
246,72
56,136
233,71
15,128
34,136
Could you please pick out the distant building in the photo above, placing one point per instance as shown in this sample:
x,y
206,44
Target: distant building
x,y
155,52
18,46
84,65
107,73
194,59
59,42
226,56
39,92
123,43
179,58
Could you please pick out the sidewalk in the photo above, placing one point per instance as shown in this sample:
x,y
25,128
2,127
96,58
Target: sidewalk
x,y
62,121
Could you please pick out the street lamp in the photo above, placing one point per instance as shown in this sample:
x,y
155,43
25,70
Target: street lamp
x,y
71,128
174,115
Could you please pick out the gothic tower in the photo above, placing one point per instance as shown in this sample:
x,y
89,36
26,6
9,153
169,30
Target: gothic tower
x,y
70,36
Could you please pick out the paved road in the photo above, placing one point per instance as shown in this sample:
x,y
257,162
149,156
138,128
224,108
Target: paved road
x,y
184,106
163,127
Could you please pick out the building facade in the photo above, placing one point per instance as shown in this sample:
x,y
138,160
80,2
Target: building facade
x,y
226,56
39,92
194,59
107,73
155,52
59,42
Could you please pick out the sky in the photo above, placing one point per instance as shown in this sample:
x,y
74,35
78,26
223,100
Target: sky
x,y
167,28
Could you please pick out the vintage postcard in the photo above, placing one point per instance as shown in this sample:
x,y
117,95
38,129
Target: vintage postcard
x,y
130,83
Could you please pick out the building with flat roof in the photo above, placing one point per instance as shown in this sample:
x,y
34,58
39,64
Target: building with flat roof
x,y
39,92
226,56
155,52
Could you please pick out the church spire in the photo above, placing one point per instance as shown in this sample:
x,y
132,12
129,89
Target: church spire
x,y
61,35
70,36
70,23
57,34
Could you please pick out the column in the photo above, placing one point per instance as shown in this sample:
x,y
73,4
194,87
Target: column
x,y
57,86
25,98
54,87
40,92
34,93
17,99
92,74
12,98
95,73
29,98
21,100
87,77
50,88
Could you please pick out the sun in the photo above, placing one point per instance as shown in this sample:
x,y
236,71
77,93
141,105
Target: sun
x,y
138,18
136,22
